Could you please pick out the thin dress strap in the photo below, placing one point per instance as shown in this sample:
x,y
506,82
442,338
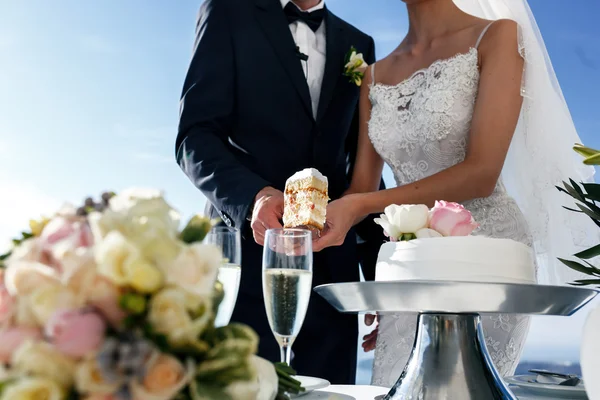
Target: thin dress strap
x,y
483,33
373,73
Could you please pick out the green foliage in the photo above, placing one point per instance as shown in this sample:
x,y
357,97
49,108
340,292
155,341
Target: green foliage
x,y
587,201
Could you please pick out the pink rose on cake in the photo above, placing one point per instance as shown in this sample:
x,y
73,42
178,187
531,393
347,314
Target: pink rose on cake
x,y
409,221
451,219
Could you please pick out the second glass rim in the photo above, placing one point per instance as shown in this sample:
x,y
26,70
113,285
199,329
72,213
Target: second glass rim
x,y
282,231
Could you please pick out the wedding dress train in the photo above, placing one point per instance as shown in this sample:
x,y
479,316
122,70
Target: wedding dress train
x,y
420,127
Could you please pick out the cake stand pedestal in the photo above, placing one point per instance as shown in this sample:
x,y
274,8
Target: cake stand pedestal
x,y
449,359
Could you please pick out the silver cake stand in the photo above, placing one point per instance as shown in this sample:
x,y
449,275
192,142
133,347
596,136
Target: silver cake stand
x,y
449,359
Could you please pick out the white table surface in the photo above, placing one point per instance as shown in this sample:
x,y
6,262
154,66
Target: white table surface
x,y
346,392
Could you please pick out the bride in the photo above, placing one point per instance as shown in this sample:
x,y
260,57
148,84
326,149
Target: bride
x,y
443,110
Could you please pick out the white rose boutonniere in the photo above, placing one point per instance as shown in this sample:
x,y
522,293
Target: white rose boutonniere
x,y
355,66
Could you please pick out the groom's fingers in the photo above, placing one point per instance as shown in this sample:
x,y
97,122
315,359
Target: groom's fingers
x,y
369,319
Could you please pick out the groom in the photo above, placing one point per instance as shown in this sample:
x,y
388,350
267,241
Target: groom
x,y
265,97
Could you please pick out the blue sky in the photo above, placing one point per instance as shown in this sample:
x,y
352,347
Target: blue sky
x,y
89,95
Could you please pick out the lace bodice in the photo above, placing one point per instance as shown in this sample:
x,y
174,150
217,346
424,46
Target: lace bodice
x,y
421,127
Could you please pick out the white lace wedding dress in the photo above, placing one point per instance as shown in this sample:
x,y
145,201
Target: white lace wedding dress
x,y
420,127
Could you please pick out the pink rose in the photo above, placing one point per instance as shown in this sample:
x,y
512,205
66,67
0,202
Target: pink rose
x,y
12,338
104,296
7,302
76,333
75,232
451,219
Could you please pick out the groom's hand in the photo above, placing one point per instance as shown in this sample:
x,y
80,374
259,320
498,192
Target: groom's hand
x,y
267,213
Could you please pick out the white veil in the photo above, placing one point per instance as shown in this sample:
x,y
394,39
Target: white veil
x,y
541,154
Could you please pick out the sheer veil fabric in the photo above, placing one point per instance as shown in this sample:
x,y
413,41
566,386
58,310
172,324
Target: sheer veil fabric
x,y
541,154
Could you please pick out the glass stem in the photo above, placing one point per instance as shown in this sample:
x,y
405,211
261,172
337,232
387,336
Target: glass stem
x,y
286,351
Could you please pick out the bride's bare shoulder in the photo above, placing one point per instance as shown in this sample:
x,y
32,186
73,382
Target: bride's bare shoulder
x,y
501,34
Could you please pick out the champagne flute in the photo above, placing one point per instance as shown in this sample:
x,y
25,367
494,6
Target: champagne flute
x,y
230,271
287,283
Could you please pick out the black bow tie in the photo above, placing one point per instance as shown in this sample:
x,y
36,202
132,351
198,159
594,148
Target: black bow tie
x,y
312,19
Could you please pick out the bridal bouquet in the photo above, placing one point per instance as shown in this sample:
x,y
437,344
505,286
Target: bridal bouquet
x,y
409,221
587,196
112,301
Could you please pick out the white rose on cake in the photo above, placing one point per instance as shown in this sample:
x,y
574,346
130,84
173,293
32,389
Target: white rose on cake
x,y
401,220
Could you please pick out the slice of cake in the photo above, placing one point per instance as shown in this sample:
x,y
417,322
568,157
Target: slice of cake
x,y
306,200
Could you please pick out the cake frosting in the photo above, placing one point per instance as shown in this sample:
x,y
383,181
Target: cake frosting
x,y
305,200
460,258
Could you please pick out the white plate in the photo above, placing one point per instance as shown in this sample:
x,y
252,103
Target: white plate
x,y
310,384
550,390
590,353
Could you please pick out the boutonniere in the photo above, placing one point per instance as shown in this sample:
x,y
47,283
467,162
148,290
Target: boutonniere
x,y
355,66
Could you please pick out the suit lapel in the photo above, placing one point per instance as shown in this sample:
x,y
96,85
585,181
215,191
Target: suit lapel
x,y
272,20
334,63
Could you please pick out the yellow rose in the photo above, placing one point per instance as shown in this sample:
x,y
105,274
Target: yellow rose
x,y
195,269
171,314
40,359
143,276
33,389
45,301
89,379
37,226
121,261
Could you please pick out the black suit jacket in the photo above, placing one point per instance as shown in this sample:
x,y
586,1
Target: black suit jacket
x,y
246,122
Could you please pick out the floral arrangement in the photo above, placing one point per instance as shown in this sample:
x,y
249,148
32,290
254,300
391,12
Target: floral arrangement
x,y
407,222
587,196
111,301
355,66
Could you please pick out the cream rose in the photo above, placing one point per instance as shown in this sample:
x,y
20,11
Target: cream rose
x,y
22,277
33,388
402,219
45,301
42,360
89,379
195,269
121,261
171,313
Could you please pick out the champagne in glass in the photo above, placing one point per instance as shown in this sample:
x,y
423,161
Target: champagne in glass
x,y
230,271
287,283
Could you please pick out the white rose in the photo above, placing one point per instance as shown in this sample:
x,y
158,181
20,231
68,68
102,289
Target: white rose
x,y
195,269
89,379
356,62
171,314
406,218
32,388
41,359
426,233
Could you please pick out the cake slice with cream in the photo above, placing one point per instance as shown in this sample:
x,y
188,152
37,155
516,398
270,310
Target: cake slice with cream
x,y
305,200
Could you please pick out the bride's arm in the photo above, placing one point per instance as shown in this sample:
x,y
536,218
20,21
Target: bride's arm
x,y
495,118
494,121
366,175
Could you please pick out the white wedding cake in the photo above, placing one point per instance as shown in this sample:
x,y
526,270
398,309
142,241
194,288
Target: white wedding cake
x,y
459,258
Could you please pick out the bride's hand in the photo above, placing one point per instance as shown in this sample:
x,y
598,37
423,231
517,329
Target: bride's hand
x,y
341,215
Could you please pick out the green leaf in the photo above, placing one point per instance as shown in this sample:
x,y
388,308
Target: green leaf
x,y
572,192
576,187
587,211
577,266
584,150
593,191
589,253
586,282
593,160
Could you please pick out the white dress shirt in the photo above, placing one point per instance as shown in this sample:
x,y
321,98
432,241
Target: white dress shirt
x,y
313,45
